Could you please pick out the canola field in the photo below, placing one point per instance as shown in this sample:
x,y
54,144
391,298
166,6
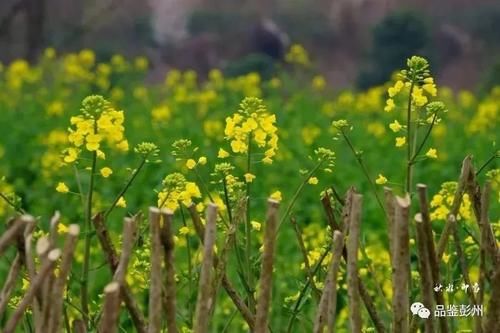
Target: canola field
x,y
82,136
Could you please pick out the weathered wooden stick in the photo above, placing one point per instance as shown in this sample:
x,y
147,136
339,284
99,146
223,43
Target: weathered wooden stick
x,y
112,259
330,216
79,326
338,245
474,190
325,315
226,283
483,243
47,266
9,236
431,249
451,221
426,281
455,207
463,263
220,268
365,296
400,298
390,211
266,273
491,322
109,319
56,302
54,223
10,283
352,263
205,299
49,281
167,239
128,240
155,290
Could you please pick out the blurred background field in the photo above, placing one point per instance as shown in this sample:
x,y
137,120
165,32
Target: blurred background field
x,y
179,68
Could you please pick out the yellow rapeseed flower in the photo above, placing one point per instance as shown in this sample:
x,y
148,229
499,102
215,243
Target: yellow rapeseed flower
x,y
381,180
431,153
62,188
395,126
400,141
389,105
256,225
312,181
222,153
106,172
249,177
276,196
121,202
190,164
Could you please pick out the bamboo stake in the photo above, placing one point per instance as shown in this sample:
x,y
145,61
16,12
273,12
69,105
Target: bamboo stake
x,y
112,259
266,273
47,266
167,239
205,299
325,315
431,249
426,281
226,283
109,320
352,263
10,283
9,235
400,298
56,303
155,290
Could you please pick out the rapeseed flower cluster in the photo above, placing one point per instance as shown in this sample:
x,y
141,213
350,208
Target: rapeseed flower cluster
x,y
415,81
98,123
297,55
442,201
252,124
176,189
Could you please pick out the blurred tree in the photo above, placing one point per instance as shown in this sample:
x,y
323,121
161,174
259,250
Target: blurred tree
x,y
395,38
34,11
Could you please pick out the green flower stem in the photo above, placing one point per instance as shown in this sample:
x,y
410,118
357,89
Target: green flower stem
x,y
79,184
248,232
88,237
491,159
303,291
189,261
205,188
296,195
409,166
421,146
226,199
10,203
364,169
126,187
